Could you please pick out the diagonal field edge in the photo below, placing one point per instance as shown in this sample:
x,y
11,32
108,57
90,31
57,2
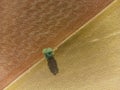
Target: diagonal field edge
x,y
57,47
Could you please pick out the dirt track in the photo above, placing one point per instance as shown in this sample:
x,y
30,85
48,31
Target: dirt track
x,y
27,26
90,60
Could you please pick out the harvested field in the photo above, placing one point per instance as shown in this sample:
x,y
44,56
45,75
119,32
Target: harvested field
x,y
28,26
89,60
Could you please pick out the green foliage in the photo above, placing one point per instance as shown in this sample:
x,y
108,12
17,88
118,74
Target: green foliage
x,y
48,52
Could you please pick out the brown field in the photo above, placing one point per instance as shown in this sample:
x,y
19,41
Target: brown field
x,y
89,60
28,26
